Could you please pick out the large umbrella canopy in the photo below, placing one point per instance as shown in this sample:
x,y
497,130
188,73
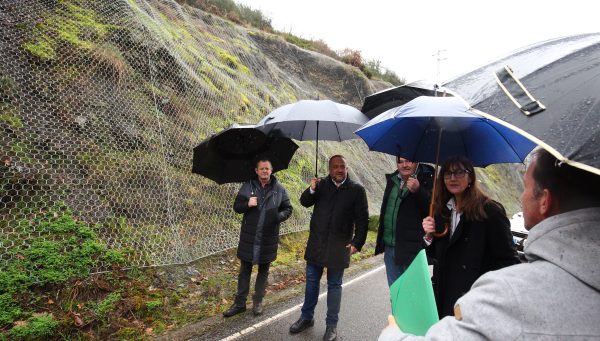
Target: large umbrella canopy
x,y
231,155
384,100
313,120
310,120
426,126
550,91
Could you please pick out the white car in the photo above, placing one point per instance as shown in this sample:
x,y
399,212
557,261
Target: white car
x,y
517,227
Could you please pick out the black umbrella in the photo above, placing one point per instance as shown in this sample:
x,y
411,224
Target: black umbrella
x,y
310,120
231,155
550,91
384,100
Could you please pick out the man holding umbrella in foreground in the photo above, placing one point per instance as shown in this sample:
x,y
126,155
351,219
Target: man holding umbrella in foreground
x,y
338,229
265,204
556,294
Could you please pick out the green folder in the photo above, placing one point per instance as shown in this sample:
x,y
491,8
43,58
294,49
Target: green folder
x,y
413,303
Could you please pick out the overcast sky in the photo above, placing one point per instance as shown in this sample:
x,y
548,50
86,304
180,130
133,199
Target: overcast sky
x,y
406,35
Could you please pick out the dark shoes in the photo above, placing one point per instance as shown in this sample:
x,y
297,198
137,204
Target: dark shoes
x,y
301,325
330,333
234,310
257,308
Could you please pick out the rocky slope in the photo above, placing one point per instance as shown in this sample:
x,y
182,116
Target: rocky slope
x,y
103,102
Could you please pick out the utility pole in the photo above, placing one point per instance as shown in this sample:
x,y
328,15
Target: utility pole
x,y
438,55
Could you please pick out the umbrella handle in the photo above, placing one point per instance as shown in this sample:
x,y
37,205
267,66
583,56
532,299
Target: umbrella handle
x,y
435,174
441,234
431,203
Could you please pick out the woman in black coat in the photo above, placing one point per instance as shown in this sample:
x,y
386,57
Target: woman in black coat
x,y
476,234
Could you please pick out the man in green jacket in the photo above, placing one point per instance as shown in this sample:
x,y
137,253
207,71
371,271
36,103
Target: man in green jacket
x,y
405,204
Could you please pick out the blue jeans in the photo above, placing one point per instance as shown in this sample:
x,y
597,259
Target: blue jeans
x,y
392,270
334,293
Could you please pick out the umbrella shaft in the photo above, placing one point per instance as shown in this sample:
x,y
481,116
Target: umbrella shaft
x,y
317,151
435,177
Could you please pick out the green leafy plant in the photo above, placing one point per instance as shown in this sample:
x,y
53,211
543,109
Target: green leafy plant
x,y
153,305
68,24
35,328
9,310
58,250
107,305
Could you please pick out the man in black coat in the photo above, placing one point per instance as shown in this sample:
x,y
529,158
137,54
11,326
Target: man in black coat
x,y
405,205
338,228
265,204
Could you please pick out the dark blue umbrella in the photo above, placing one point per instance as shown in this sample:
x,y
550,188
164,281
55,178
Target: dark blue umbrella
x,y
428,129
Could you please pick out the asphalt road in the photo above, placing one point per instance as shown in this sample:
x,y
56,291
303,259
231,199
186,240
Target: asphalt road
x,y
364,311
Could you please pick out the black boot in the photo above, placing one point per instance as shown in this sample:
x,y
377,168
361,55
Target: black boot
x,y
234,310
257,308
330,333
301,325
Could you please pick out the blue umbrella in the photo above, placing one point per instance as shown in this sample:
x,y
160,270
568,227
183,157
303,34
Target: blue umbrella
x,y
428,129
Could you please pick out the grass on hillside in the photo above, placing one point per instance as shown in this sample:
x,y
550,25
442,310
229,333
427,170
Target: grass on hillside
x,y
48,290
244,15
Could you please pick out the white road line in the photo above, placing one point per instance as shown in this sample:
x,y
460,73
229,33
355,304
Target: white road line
x,y
267,321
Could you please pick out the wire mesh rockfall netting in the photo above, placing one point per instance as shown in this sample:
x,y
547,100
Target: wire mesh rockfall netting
x,y
102,103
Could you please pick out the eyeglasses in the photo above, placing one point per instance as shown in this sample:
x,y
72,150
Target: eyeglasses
x,y
458,174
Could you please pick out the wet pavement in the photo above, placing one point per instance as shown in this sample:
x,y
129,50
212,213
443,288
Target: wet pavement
x,y
364,310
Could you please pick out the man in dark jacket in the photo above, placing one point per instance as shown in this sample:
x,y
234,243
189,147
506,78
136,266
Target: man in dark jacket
x,y
405,204
265,204
338,228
